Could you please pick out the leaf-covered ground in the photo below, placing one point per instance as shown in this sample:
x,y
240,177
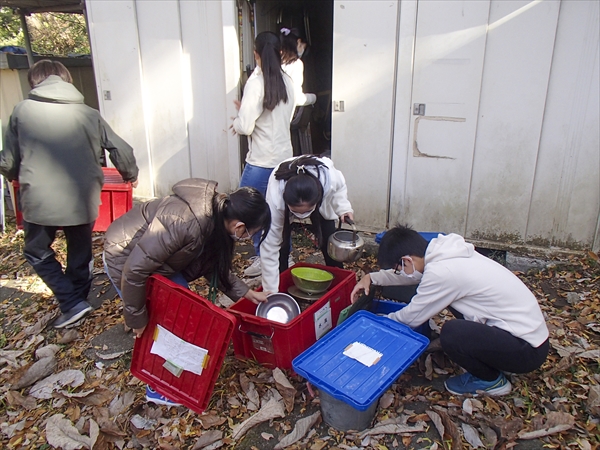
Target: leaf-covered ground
x,y
68,390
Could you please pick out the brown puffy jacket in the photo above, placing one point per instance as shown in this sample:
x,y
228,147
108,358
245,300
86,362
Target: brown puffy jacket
x,y
163,236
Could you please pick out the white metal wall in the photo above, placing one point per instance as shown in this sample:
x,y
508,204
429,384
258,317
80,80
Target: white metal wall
x,y
508,147
171,69
524,166
364,61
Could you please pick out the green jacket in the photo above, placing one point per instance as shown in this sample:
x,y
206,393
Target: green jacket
x,y
53,146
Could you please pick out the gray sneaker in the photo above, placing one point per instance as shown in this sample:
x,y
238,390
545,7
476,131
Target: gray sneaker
x,y
76,313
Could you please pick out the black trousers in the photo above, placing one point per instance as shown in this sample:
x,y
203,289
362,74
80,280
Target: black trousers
x,y
73,285
327,229
486,351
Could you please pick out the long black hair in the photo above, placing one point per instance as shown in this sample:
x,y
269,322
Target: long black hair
x,y
245,204
302,187
268,47
289,46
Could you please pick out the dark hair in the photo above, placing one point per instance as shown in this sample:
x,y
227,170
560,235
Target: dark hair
x,y
289,46
398,242
268,47
245,204
44,68
302,186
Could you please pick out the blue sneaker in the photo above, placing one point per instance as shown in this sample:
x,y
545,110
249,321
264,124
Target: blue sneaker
x,y
154,397
469,384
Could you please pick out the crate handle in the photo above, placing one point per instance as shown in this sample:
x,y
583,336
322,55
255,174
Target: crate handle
x,y
258,335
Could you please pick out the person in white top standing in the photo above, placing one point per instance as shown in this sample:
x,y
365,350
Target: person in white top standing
x,y
294,67
502,327
302,188
264,115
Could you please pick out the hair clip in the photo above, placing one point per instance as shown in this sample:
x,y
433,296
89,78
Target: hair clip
x,y
300,168
285,31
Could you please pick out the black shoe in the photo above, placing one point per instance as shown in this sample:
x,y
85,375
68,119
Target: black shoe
x,y
73,315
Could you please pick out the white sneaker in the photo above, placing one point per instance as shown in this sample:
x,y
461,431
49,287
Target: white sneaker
x,y
254,269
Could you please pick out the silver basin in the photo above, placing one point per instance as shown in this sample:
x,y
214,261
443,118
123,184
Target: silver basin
x,y
279,307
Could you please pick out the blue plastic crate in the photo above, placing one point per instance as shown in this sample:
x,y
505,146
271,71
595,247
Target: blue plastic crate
x,y
389,306
427,235
325,366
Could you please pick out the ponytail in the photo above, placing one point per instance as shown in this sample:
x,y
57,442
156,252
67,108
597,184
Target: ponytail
x,y
268,46
289,46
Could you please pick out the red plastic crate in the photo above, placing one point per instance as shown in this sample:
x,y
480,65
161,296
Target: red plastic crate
x,y
193,319
275,344
116,199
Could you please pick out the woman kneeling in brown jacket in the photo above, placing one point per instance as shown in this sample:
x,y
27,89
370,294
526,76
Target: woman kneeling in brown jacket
x,y
183,237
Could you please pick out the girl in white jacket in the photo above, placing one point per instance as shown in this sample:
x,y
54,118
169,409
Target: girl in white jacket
x,y
264,115
503,328
303,187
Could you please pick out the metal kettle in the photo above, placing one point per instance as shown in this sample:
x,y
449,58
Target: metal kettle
x,y
344,245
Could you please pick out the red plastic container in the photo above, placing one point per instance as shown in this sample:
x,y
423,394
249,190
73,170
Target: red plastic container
x,y
116,199
275,344
194,320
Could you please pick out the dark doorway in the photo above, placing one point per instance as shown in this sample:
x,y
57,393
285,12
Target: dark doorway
x,y
313,20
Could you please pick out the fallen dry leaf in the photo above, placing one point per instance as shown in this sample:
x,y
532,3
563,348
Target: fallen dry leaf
x,y
300,429
285,388
15,398
38,370
69,336
60,433
47,351
207,438
471,436
271,410
211,419
43,389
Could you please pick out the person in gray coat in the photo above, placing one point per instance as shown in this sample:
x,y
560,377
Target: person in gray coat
x,y
54,146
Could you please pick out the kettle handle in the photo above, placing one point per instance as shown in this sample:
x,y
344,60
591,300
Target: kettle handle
x,y
350,222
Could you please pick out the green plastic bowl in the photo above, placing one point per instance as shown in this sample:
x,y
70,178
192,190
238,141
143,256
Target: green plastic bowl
x,y
311,280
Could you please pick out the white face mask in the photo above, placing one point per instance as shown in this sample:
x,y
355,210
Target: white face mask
x,y
235,237
416,275
303,215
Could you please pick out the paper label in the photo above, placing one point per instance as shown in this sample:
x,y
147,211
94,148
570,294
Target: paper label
x,y
179,353
323,320
363,354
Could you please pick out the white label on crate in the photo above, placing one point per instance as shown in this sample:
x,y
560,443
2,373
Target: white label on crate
x,y
177,351
323,320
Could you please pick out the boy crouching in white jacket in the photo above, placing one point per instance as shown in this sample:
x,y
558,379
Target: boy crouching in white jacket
x,y
502,327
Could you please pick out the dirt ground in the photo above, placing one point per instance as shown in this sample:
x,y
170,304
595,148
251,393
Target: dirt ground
x,y
556,406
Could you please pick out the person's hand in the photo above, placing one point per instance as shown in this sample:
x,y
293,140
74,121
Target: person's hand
x,y
362,285
233,133
237,104
134,184
137,332
256,297
348,215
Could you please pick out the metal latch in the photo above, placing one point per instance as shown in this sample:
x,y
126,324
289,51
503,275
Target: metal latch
x,y
338,105
419,109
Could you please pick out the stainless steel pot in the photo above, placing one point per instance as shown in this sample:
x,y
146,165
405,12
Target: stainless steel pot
x,y
344,245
